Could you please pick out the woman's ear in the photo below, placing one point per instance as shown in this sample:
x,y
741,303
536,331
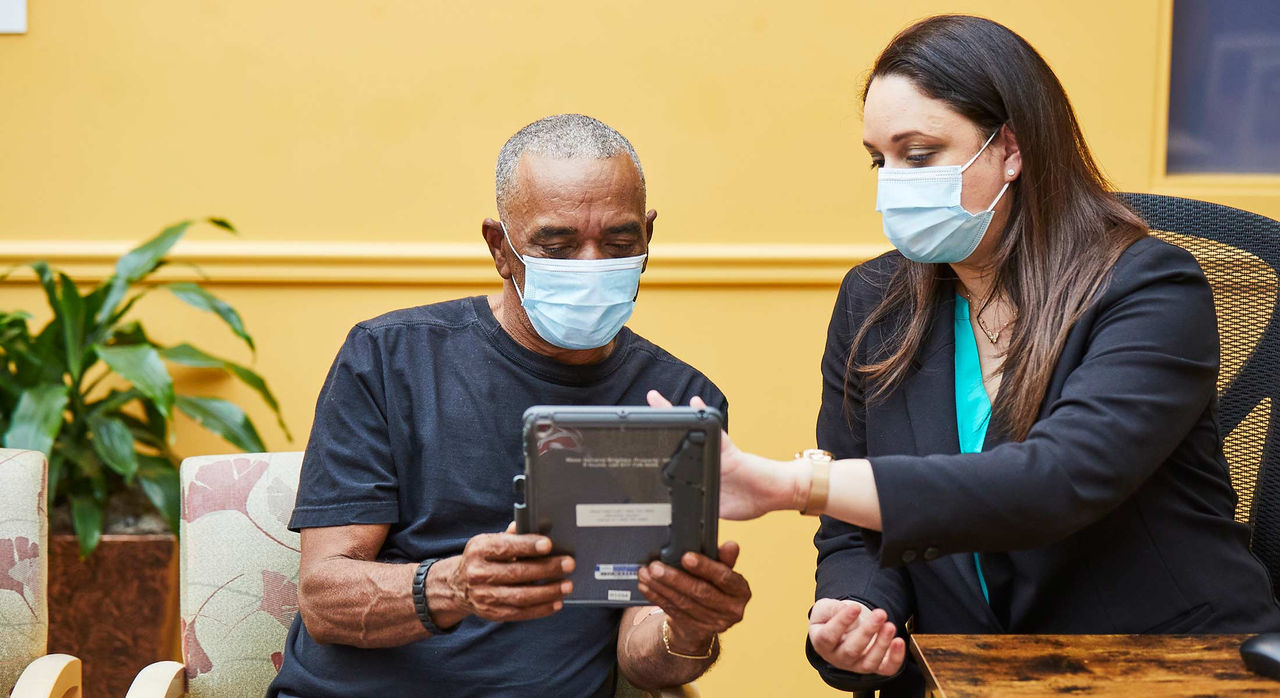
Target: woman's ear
x,y
1012,155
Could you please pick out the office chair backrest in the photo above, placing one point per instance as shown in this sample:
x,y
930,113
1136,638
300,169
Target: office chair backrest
x,y
1240,254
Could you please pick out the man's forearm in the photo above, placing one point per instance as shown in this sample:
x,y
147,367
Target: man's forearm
x,y
370,604
643,657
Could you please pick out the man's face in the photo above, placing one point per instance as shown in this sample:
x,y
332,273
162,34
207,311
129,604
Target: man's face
x,y
580,208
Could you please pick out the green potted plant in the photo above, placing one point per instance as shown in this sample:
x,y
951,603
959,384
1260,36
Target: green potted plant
x,y
92,390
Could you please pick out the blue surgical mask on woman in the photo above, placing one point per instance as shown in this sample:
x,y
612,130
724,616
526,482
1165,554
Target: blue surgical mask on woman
x,y
922,215
578,303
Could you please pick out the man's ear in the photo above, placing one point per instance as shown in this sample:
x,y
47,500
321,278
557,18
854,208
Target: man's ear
x,y
649,218
1012,154
491,230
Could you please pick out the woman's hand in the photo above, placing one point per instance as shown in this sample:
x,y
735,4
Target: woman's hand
x,y
750,486
851,637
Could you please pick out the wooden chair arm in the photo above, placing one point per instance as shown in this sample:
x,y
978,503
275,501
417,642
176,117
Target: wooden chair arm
x,y
159,680
51,676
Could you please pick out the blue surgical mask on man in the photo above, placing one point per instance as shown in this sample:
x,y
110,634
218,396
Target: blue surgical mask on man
x,y
922,215
578,303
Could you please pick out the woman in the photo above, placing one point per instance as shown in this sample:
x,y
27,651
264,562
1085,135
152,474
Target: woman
x,y
1021,400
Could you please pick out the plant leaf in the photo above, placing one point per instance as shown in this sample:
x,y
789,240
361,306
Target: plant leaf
x,y
37,418
188,355
135,265
222,223
113,442
140,364
114,400
71,307
196,297
159,481
224,419
82,469
129,334
142,260
86,517
46,281
56,470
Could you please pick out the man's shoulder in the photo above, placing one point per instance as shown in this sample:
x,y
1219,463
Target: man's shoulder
x,y
645,356
646,351
453,314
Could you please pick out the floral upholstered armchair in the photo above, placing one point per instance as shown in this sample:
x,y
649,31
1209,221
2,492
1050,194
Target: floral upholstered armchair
x,y
239,580
24,573
239,576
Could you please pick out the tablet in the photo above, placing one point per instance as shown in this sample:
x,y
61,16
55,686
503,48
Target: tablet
x,y
619,487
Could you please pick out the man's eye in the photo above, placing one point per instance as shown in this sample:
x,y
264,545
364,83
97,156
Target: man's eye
x,y
557,251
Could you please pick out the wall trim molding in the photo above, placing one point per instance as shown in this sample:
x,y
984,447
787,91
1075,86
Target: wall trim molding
x,y
271,263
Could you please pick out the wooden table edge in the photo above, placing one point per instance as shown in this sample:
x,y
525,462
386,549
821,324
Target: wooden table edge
x,y
931,685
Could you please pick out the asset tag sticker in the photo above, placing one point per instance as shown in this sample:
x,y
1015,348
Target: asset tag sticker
x,y
617,572
619,595
602,515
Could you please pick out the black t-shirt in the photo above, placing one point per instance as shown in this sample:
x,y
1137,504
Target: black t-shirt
x,y
418,426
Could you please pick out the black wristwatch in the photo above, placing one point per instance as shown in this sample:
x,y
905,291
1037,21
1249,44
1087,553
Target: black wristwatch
x,y
420,599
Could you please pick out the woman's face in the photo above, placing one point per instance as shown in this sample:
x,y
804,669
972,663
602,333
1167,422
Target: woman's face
x,y
903,127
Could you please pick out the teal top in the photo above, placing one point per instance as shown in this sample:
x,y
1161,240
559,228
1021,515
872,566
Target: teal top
x,y
973,407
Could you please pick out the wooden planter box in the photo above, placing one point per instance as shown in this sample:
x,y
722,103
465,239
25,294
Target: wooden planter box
x,y
116,611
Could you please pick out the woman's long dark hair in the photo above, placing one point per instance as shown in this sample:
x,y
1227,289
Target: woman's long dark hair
x,y
1065,230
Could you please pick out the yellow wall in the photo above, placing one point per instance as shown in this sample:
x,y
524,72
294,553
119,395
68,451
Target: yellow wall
x,y
353,143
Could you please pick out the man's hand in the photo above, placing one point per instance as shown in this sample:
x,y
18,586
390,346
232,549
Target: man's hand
x,y
706,598
504,577
851,637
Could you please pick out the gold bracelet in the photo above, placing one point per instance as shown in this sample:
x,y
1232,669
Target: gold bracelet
x,y
819,479
666,642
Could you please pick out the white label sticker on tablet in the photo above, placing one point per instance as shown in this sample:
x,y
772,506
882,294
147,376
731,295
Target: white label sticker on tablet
x,y
619,595
626,571
653,514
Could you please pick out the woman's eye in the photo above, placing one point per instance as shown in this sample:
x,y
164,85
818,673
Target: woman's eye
x,y
919,158
875,163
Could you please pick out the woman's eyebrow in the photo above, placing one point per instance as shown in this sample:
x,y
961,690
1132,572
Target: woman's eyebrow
x,y
899,136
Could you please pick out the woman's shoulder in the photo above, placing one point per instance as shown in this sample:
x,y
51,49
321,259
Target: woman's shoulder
x,y
1151,260
866,282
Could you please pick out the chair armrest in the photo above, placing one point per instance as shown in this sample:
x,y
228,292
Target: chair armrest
x,y
51,676
159,680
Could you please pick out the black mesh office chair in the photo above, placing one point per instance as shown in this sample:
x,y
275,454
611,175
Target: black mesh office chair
x,y
1240,254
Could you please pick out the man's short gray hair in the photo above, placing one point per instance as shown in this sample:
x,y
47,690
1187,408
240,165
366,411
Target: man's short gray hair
x,y
563,136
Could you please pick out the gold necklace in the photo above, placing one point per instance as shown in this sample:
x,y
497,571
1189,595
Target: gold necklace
x,y
993,337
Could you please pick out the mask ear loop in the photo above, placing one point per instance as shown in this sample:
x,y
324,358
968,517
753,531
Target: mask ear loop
x,y
975,155
521,258
974,159
993,203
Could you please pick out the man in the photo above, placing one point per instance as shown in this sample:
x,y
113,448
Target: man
x,y
409,585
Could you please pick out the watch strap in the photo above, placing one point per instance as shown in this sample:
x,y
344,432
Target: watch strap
x,y
420,599
819,480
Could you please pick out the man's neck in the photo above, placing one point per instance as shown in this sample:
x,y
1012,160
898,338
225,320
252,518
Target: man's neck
x,y
513,320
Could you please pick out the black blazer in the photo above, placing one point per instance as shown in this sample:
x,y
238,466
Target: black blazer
x,y
1116,511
